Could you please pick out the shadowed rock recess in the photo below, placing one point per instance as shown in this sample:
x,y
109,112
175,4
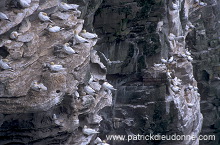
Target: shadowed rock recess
x,y
162,56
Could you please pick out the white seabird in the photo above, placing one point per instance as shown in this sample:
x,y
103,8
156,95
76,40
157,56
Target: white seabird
x,y
189,58
68,50
88,35
187,52
79,39
174,6
97,140
4,65
89,90
89,131
195,88
24,3
54,29
44,17
103,143
168,73
38,87
108,86
202,4
176,81
190,87
163,60
4,17
175,88
77,94
56,67
170,59
66,7
14,35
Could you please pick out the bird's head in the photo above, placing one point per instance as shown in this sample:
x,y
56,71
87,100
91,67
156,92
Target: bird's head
x,y
50,26
85,126
83,31
67,44
43,13
52,63
75,32
5,60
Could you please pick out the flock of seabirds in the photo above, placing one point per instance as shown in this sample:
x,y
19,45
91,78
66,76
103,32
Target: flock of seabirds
x,y
83,37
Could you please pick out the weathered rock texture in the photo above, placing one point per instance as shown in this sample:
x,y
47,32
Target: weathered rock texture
x,y
55,115
139,33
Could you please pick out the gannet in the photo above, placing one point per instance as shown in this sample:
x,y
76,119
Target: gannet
x,y
195,88
170,59
103,143
91,79
14,35
183,55
68,50
25,26
157,65
54,29
163,60
217,78
202,4
44,17
65,7
38,87
189,58
89,131
56,67
175,88
24,3
198,94
97,140
176,81
89,90
190,87
168,73
174,6
4,65
79,39
190,105
88,35
171,37
187,52
108,86
76,94
4,17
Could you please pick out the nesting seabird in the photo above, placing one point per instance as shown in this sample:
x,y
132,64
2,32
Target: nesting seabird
x,y
175,88
68,50
77,94
4,65
88,35
14,35
38,87
24,3
79,39
54,29
4,17
103,143
89,90
89,131
97,140
174,6
163,60
66,7
189,58
168,73
56,67
108,86
202,4
170,60
44,17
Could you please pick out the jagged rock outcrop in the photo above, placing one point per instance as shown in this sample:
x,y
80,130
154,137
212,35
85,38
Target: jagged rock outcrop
x,y
44,95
